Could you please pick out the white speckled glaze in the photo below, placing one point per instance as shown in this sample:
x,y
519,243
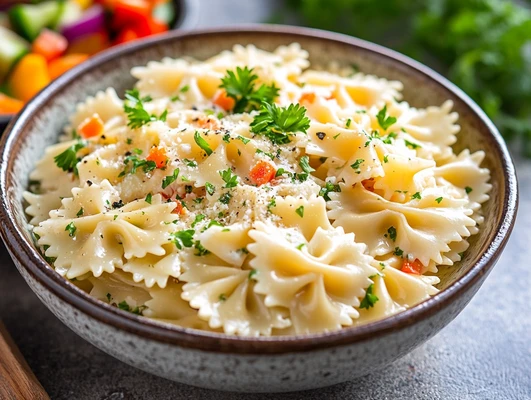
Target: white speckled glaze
x,y
229,363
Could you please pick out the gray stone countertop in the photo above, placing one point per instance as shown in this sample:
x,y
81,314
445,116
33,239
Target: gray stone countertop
x,y
485,353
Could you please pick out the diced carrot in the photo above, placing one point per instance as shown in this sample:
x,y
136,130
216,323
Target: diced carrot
x,y
90,127
222,100
28,77
60,65
208,123
179,209
368,184
262,173
412,267
126,35
307,98
89,44
158,156
49,44
9,105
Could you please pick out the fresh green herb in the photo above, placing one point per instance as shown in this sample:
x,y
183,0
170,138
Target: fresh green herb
x,y
68,160
168,180
416,196
109,297
136,113
198,219
184,89
208,111
117,204
222,297
468,189
243,139
304,163
370,298
386,158
175,98
349,121
244,250
382,265
277,123
183,238
383,120
147,166
270,155
225,198
220,115
300,211
71,229
135,310
115,217
200,249
329,187
199,200
190,163
280,172
357,165
202,143
80,212
438,200
387,139
392,233
398,252
210,188
300,246
240,86
214,223
129,141
272,203
411,144
148,198
336,136
226,138
137,151
229,179
252,274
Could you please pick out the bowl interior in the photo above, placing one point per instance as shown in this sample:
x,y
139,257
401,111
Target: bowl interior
x,y
50,110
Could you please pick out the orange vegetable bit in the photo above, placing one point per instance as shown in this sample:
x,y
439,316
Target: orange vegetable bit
x,y
262,173
307,98
60,65
49,44
179,209
208,123
368,184
90,127
158,156
89,44
412,267
222,100
28,77
9,105
126,35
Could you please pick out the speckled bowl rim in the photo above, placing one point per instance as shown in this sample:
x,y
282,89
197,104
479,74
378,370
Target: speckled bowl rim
x,y
26,254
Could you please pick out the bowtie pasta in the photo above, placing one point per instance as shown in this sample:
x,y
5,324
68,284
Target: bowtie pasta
x,y
251,195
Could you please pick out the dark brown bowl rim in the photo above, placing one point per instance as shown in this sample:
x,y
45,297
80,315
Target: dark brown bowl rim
x,y
24,252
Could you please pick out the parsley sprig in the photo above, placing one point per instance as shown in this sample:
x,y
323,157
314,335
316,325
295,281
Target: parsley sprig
x,y
383,120
370,298
240,86
277,123
229,179
133,163
136,113
68,159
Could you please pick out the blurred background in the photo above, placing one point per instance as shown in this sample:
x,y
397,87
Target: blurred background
x,y
484,46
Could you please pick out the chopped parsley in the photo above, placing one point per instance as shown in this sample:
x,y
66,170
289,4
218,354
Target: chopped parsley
x,y
71,229
416,196
370,298
398,252
68,159
243,139
240,86
383,120
202,143
277,123
468,189
222,297
300,211
190,163
146,165
356,166
304,163
438,200
386,158
198,219
148,198
184,238
231,180
329,187
272,203
252,274
300,246
349,121
280,172
392,233
80,212
184,89
411,144
225,198
168,180
387,139
210,188
126,307
200,249
136,113
226,138
336,136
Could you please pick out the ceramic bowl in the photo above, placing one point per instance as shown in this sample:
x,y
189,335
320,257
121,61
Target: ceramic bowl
x,y
186,17
251,364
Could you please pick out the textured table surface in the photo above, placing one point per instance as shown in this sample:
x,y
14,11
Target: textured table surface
x,y
485,353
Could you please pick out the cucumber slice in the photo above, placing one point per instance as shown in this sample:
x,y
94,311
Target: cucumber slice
x,y
29,19
70,12
12,49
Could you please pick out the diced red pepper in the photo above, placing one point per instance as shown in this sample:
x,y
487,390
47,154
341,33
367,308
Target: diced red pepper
x,y
49,44
130,13
179,209
412,267
262,173
126,35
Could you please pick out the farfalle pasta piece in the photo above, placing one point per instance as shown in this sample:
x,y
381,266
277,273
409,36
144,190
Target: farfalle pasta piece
x,y
224,296
106,104
320,281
